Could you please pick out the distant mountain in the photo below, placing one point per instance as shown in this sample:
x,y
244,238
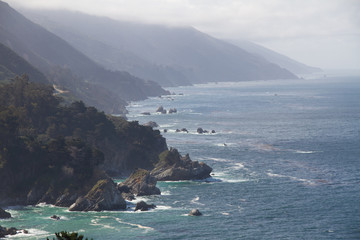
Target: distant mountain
x,y
12,65
51,54
181,55
272,56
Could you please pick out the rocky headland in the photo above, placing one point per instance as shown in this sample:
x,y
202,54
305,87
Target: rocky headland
x,y
65,155
174,167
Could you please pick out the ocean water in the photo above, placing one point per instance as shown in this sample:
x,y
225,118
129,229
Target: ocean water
x,y
285,159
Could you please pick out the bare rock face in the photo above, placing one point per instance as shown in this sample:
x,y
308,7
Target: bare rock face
x,y
174,167
4,214
140,183
103,196
161,110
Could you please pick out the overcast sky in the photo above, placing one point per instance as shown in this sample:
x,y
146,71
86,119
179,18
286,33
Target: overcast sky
x,y
322,33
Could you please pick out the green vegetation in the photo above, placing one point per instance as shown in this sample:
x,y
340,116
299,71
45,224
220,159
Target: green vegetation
x,y
68,236
48,150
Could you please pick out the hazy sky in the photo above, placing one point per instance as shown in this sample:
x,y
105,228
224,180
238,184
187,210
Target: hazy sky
x,y
322,33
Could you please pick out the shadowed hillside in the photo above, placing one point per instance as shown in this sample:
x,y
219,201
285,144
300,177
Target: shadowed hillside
x,y
49,53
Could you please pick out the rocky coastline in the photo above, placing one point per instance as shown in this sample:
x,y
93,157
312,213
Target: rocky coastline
x,y
66,155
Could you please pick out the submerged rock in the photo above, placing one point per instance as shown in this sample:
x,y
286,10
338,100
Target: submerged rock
x,y
195,212
140,183
174,167
103,196
143,206
4,214
146,113
55,217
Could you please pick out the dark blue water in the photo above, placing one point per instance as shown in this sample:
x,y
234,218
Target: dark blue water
x,y
286,159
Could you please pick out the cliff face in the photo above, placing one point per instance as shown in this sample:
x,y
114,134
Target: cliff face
x,y
56,154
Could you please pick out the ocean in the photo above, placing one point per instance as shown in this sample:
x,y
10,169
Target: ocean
x,y
286,165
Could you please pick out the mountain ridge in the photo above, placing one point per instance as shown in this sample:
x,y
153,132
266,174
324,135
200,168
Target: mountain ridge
x,y
48,52
185,51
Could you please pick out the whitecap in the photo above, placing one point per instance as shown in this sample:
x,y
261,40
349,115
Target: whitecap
x,y
134,225
196,201
166,193
236,180
95,222
162,207
43,204
238,166
307,181
305,152
225,213
32,232
218,159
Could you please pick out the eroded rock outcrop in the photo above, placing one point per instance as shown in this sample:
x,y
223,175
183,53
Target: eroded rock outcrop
x,y
174,167
103,196
4,214
143,206
140,183
7,231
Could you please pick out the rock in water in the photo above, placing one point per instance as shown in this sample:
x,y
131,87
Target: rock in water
x,y
7,231
173,167
172,110
195,212
4,214
141,183
200,130
143,206
55,217
161,110
103,196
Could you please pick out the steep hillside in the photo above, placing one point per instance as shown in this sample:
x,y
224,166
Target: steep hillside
x,y
12,64
184,52
47,51
272,56
53,153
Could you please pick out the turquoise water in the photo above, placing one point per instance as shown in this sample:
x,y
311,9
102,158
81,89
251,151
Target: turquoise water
x,y
286,160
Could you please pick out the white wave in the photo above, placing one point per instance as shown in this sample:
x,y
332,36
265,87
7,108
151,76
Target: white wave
x,y
306,152
218,159
196,201
133,224
225,213
32,232
166,125
162,207
139,199
238,166
307,181
235,180
43,204
95,222
275,175
166,193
